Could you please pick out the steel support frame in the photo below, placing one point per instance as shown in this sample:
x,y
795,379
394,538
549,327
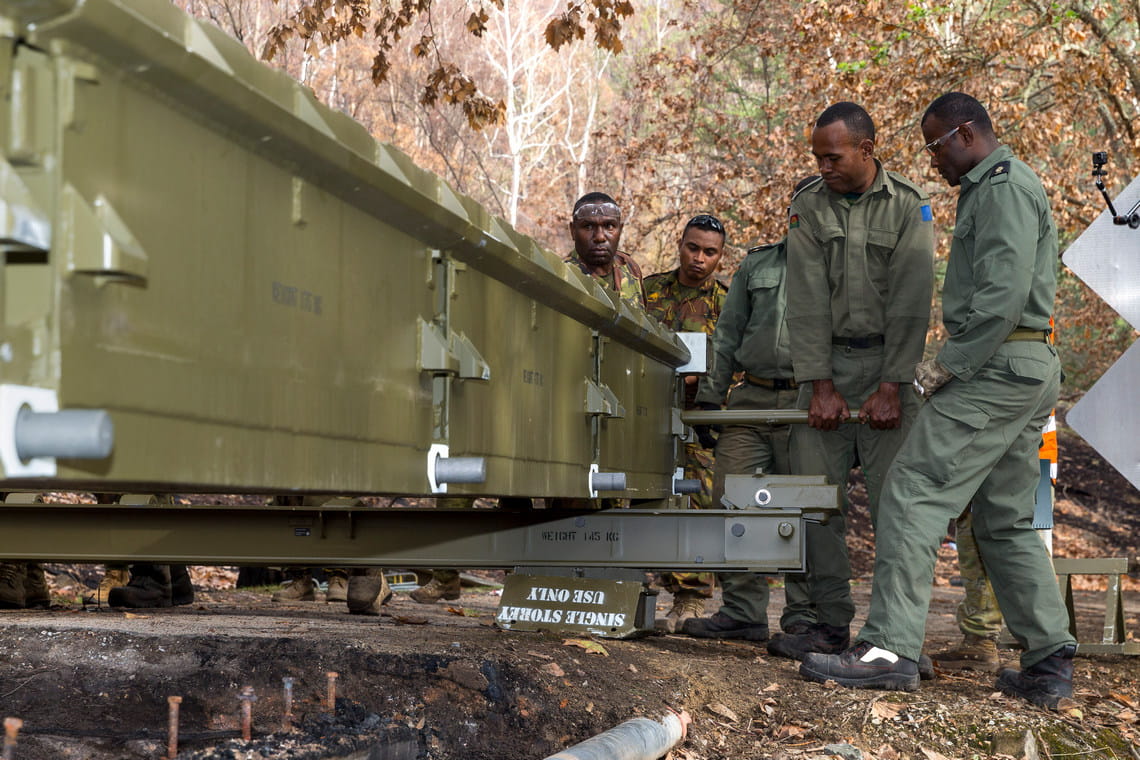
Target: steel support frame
x,y
763,540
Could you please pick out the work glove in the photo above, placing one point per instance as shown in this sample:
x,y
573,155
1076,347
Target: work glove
x,y
704,433
929,376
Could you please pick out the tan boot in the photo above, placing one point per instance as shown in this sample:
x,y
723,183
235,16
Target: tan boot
x,y
367,591
338,586
435,589
113,577
974,653
12,585
299,588
685,606
36,593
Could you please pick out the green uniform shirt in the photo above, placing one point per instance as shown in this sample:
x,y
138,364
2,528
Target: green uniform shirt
x,y
1002,272
682,308
751,335
624,279
859,268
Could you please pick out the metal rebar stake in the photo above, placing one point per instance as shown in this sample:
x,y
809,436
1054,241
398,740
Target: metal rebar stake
x,y
172,727
247,699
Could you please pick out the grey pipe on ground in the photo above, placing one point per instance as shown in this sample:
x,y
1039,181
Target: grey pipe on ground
x,y
636,739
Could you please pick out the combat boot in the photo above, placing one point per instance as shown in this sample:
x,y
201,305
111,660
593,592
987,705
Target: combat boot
x,y
113,577
685,607
12,585
436,589
721,626
821,637
149,587
863,666
1045,683
181,588
367,591
36,593
338,586
299,588
974,653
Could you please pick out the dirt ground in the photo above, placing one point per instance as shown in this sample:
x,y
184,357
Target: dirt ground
x,y
442,682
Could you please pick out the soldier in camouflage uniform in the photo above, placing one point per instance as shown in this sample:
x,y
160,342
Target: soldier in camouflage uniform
x,y
596,230
689,299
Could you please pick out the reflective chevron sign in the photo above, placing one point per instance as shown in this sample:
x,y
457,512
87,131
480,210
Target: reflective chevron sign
x,y
1107,258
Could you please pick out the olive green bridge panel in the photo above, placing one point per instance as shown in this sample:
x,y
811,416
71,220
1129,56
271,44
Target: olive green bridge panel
x,y
260,298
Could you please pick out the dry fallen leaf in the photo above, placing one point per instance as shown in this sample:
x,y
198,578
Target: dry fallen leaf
x,y
553,669
134,616
1070,709
887,710
932,755
464,612
592,647
1123,699
632,668
771,687
410,619
721,710
788,731
540,655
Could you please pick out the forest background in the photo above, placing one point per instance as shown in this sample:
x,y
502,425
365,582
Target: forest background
x,y
679,107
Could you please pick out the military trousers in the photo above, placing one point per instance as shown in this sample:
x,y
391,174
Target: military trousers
x,y
978,613
975,439
741,450
856,373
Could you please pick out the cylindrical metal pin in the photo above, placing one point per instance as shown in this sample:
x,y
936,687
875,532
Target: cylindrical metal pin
x,y
330,702
12,728
287,718
247,699
172,727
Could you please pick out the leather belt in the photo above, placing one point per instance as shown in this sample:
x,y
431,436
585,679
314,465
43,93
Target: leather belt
x,y
867,341
776,384
1024,333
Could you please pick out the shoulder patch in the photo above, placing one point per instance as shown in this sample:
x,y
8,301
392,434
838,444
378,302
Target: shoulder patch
x,y
1000,171
927,214
793,221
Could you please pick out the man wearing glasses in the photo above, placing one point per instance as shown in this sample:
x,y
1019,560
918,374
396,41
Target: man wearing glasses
x,y
595,228
690,299
989,391
860,276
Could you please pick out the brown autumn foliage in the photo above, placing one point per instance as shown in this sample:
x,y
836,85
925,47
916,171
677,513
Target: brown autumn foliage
x,y
709,105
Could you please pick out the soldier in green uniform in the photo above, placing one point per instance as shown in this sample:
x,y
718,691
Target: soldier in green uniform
x,y
751,341
860,277
990,389
596,228
689,299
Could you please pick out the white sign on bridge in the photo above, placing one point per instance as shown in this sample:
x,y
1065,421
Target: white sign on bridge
x,y
1107,258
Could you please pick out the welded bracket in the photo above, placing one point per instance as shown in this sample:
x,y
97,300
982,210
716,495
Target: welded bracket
x,y
600,400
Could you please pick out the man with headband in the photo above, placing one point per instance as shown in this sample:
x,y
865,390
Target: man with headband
x,y
596,230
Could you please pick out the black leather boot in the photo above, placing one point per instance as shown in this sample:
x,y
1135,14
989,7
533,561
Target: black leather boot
x,y
1045,683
